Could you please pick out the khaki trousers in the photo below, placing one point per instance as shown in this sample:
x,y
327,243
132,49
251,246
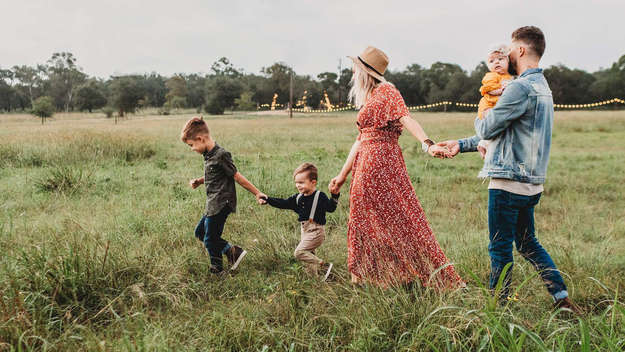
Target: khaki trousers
x,y
313,235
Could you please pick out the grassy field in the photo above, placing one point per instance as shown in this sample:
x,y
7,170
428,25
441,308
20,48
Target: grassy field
x,y
98,252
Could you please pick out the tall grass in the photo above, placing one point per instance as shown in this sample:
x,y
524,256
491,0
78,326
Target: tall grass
x,y
98,252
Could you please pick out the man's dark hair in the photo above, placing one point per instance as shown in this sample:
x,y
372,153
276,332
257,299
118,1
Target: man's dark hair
x,y
533,37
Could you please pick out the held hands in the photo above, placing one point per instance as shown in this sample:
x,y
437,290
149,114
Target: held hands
x,y
335,184
261,198
440,152
452,147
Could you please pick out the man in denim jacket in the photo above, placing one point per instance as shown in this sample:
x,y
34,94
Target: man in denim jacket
x,y
516,162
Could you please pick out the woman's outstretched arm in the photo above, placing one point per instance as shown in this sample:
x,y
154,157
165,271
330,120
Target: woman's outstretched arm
x,y
337,182
416,130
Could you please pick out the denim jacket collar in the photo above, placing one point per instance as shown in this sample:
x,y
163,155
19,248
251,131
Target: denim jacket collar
x,y
529,71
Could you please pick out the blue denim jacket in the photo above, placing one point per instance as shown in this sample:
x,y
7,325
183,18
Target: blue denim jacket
x,y
520,128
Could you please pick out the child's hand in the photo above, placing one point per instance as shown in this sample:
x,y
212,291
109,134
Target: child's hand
x,y
482,151
335,184
261,198
194,183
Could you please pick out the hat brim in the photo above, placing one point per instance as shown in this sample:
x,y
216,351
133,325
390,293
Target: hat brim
x,y
371,72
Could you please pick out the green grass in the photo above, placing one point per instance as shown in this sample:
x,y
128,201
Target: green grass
x,y
98,252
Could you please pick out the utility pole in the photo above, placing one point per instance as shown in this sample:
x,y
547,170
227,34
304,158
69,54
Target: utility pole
x,y
291,96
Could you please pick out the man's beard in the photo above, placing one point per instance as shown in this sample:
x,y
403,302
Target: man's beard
x,y
512,68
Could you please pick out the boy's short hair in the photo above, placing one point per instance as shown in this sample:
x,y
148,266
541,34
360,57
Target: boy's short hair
x,y
533,37
309,168
194,128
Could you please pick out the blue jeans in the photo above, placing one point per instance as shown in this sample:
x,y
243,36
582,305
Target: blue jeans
x,y
209,231
511,218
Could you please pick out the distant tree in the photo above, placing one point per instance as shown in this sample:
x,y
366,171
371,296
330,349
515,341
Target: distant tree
x,y
314,91
436,79
108,111
610,82
222,91
472,93
278,79
343,85
90,95
29,79
176,102
63,80
154,89
196,90
569,86
6,89
176,90
223,67
43,107
329,83
19,99
64,75
259,85
244,102
126,94
409,83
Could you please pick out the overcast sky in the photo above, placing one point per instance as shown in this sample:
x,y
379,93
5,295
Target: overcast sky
x,y
119,37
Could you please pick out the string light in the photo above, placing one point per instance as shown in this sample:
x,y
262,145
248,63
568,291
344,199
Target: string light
x,y
441,103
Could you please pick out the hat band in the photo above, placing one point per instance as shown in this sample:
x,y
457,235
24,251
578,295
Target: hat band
x,y
369,66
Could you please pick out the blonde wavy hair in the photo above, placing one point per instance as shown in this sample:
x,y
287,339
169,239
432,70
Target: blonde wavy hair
x,y
362,85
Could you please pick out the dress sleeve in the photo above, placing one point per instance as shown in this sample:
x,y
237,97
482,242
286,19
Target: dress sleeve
x,y
490,82
392,106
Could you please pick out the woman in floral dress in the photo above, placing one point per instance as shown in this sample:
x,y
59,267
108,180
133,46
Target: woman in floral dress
x,y
390,241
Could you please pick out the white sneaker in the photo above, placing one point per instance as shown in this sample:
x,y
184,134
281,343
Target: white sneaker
x,y
328,269
235,256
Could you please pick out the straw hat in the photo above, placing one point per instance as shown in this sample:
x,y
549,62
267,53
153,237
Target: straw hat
x,y
372,60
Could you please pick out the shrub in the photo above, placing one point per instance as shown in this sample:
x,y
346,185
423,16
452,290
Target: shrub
x,y
244,102
108,111
176,102
164,110
65,180
43,107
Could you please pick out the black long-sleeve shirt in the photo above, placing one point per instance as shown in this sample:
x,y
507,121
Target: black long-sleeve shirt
x,y
303,207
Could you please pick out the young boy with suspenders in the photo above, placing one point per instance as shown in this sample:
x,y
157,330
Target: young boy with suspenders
x,y
311,205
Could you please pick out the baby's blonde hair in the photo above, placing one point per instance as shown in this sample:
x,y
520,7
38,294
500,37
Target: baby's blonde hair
x,y
499,48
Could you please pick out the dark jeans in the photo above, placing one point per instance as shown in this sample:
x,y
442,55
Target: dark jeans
x,y
511,218
209,231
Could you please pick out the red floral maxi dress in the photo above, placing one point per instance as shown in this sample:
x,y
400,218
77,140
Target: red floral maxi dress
x,y
389,239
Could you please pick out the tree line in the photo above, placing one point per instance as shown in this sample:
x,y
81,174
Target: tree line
x,y
62,85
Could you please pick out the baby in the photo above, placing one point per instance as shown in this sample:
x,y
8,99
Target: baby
x,y
493,84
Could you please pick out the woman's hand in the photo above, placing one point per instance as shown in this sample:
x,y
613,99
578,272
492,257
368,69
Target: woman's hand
x,y
439,151
335,184
261,198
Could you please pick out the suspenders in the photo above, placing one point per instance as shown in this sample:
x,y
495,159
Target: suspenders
x,y
313,209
